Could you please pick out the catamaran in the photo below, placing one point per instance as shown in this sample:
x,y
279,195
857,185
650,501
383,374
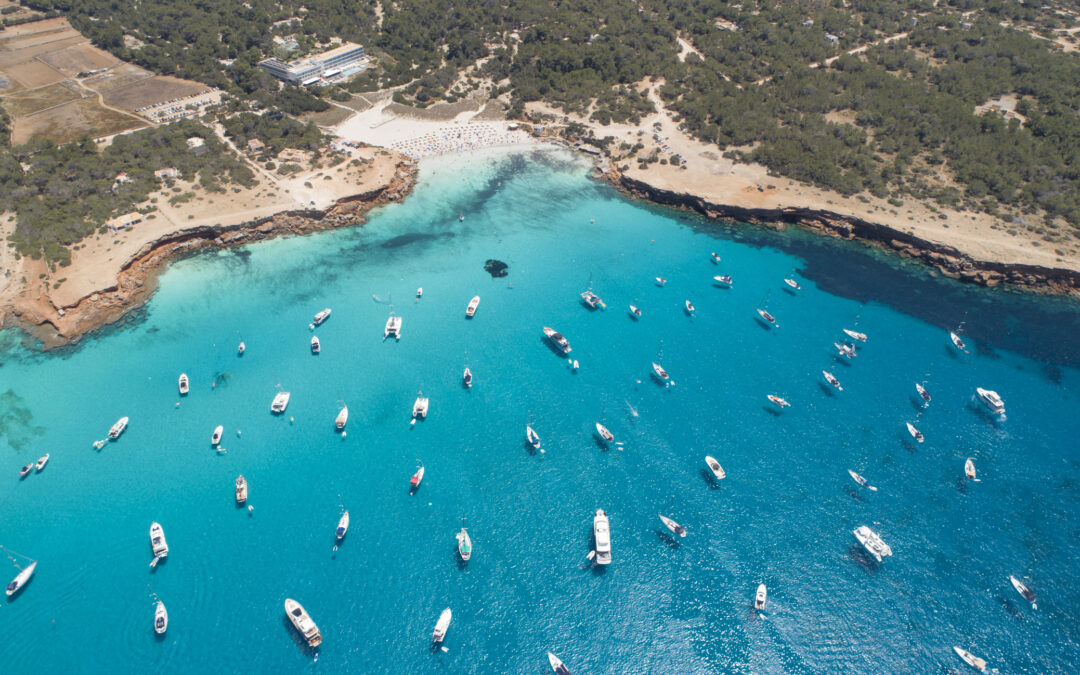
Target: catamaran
x,y
316,346
759,597
118,428
872,542
161,618
845,350
782,402
854,335
470,311
342,418
557,339
673,526
303,623
464,543
591,300
157,541
603,538
280,402
915,433
1023,590
342,526
321,316
441,625
604,433
42,461
991,400
925,395
183,384
393,327
970,659
715,467
532,437
831,379
861,481
241,490
723,279
215,437
557,665
420,406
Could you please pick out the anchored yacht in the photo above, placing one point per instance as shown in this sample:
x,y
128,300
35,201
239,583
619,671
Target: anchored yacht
x,y
470,311
603,538
557,339
321,316
872,542
442,625
280,402
991,400
303,623
118,428
157,541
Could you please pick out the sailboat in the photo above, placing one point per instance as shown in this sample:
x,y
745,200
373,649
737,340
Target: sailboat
x,y
466,378
673,526
603,432
183,384
925,395
464,546
969,469
958,342
769,319
970,659
1023,590
915,433
831,379
414,482
557,665
23,576
342,418
161,618
793,284
342,526
532,437
861,481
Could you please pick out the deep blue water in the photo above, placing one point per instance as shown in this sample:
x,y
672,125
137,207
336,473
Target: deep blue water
x,y
783,515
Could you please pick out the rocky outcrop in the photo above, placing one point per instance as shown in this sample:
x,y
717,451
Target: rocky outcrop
x,y
947,259
56,326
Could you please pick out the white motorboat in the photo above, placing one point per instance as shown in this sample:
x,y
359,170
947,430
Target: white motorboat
x,y
557,665
161,618
321,316
42,461
872,542
532,437
464,544
760,597
414,482
969,469
183,384
25,471
1023,590
958,342
157,541
441,626
393,327
723,279
557,339
715,258
420,407
715,467
855,335
303,623
689,307
831,379
660,281
342,418
215,437
280,402
240,349
673,526
342,526
970,659
603,538
915,433
316,346
793,284
660,373
419,292
991,400
466,377
925,395
768,318
241,490
21,578
118,428
861,481
635,311
591,300
470,311
782,402
604,433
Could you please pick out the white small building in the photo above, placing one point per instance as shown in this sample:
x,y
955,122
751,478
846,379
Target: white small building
x,y
195,142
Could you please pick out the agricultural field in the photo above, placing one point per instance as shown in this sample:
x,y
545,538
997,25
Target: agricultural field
x,y
151,91
67,122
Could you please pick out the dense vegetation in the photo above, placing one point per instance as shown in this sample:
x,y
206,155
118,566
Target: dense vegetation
x,y
59,195
898,119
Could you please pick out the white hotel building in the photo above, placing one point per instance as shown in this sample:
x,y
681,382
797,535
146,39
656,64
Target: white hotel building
x,y
344,60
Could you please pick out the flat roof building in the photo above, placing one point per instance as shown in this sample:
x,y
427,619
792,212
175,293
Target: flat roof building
x,y
311,69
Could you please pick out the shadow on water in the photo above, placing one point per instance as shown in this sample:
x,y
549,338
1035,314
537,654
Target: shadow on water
x,y
772,410
667,538
413,238
826,389
710,479
855,494
860,557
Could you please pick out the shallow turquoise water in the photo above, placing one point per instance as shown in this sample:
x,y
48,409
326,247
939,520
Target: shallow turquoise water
x,y
783,515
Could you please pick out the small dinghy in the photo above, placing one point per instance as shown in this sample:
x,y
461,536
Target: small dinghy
x,y
760,597
532,437
660,281
689,308
831,379
316,347
470,311
969,469
42,461
466,378
723,280
768,318
855,335
1023,590
793,284
557,665
241,489
342,418
958,342
923,394
464,543
782,402
241,348
970,659
342,526
635,312
915,433
183,384
161,618
414,482
673,526
861,481
715,467
419,293
25,471
215,437
441,626
603,432
715,258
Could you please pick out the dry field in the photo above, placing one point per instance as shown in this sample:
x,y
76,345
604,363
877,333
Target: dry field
x,y
120,75
69,121
79,58
30,102
152,91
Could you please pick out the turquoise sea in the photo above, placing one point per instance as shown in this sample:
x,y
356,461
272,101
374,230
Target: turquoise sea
x,y
784,514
